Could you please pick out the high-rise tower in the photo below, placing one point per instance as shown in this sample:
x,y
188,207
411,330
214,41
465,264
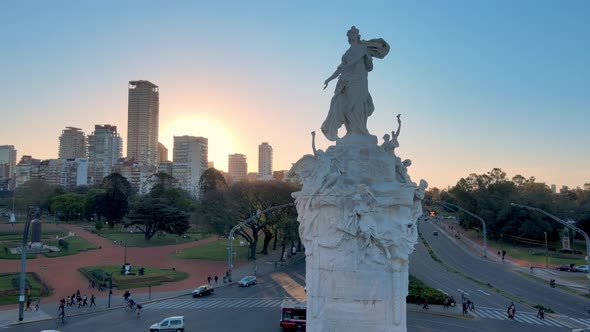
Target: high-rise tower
x,y
265,162
7,167
105,146
142,122
72,143
189,161
237,167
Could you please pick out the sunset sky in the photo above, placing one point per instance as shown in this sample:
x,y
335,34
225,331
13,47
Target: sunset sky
x,y
479,84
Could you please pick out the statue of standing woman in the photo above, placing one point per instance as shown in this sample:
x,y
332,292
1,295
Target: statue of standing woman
x,y
352,104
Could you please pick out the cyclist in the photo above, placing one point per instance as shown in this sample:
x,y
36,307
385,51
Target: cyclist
x,y
131,304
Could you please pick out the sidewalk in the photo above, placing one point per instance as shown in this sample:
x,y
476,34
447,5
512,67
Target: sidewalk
x,y
263,265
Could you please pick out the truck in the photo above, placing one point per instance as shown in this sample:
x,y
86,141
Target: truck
x,y
293,314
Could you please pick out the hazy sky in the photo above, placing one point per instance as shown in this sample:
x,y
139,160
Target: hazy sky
x,y
480,84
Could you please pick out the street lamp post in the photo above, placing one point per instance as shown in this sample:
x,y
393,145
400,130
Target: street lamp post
x,y
568,225
23,263
240,225
110,288
485,236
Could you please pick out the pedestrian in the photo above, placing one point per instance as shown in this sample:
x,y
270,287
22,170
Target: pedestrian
x,y
209,279
452,301
92,298
216,278
511,311
37,301
126,296
84,300
425,304
72,300
29,304
541,313
464,308
446,302
68,301
470,305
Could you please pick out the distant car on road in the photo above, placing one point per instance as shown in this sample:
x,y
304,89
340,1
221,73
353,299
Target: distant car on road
x,y
581,268
175,323
435,233
202,290
247,281
566,267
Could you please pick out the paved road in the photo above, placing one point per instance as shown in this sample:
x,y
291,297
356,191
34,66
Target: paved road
x,y
502,276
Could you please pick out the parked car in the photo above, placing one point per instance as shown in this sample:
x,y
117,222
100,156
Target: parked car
x,y
566,267
581,268
175,323
202,290
247,281
435,233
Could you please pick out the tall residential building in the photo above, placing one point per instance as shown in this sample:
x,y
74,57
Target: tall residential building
x,y
264,162
27,168
105,146
554,189
189,161
136,173
7,167
72,143
162,153
66,173
142,122
237,167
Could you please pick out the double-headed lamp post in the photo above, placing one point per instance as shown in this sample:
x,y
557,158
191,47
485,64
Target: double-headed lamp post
x,y
566,224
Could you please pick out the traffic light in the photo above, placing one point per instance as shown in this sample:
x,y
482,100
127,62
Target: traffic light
x,y
552,283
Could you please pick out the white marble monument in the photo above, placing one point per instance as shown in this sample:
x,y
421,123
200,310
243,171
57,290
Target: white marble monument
x,y
357,210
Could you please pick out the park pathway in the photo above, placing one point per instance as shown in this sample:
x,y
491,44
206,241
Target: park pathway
x,y
62,276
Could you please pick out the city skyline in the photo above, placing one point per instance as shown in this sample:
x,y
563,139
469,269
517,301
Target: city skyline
x,y
479,86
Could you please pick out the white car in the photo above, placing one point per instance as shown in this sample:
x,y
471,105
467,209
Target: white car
x,y
247,281
174,323
581,268
587,329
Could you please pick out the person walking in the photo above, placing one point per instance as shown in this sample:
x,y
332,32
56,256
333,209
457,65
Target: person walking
x,y
464,308
425,304
37,301
92,298
209,280
29,304
511,311
446,303
216,278
541,313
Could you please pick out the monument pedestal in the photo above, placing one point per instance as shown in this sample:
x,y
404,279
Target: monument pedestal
x,y
358,224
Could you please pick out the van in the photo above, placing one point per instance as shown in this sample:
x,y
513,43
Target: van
x,y
175,323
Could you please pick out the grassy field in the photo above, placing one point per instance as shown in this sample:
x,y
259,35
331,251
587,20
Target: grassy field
x,y
216,251
10,287
136,239
536,253
75,244
152,276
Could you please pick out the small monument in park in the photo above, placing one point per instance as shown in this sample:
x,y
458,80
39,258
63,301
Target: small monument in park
x,y
357,209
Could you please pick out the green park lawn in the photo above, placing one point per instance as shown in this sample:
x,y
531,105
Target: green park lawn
x,y
136,239
11,237
151,277
216,251
10,287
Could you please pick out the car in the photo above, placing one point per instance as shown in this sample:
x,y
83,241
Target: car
x,y
174,323
566,267
435,233
581,268
587,329
247,281
202,290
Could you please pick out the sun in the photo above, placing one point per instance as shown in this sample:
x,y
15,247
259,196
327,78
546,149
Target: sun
x,y
221,142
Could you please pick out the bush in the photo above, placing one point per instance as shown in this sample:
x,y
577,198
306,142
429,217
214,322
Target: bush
x,y
419,290
98,225
63,244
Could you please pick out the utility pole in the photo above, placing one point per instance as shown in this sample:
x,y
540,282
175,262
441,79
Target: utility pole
x,y
566,224
546,252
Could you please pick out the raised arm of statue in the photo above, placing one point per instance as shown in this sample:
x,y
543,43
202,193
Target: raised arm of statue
x,y
399,126
313,143
333,76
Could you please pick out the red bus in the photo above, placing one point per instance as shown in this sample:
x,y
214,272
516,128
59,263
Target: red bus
x,y
293,315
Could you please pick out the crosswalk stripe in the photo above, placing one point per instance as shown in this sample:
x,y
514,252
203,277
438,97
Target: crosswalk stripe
x,y
528,319
554,322
523,317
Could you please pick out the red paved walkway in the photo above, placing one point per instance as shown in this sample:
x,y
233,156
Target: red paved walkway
x,y
62,276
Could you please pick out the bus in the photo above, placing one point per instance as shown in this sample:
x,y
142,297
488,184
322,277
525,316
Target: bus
x,y
293,315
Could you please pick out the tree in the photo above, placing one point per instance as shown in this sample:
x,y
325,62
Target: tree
x,y
36,192
153,215
68,206
114,202
211,180
92,203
